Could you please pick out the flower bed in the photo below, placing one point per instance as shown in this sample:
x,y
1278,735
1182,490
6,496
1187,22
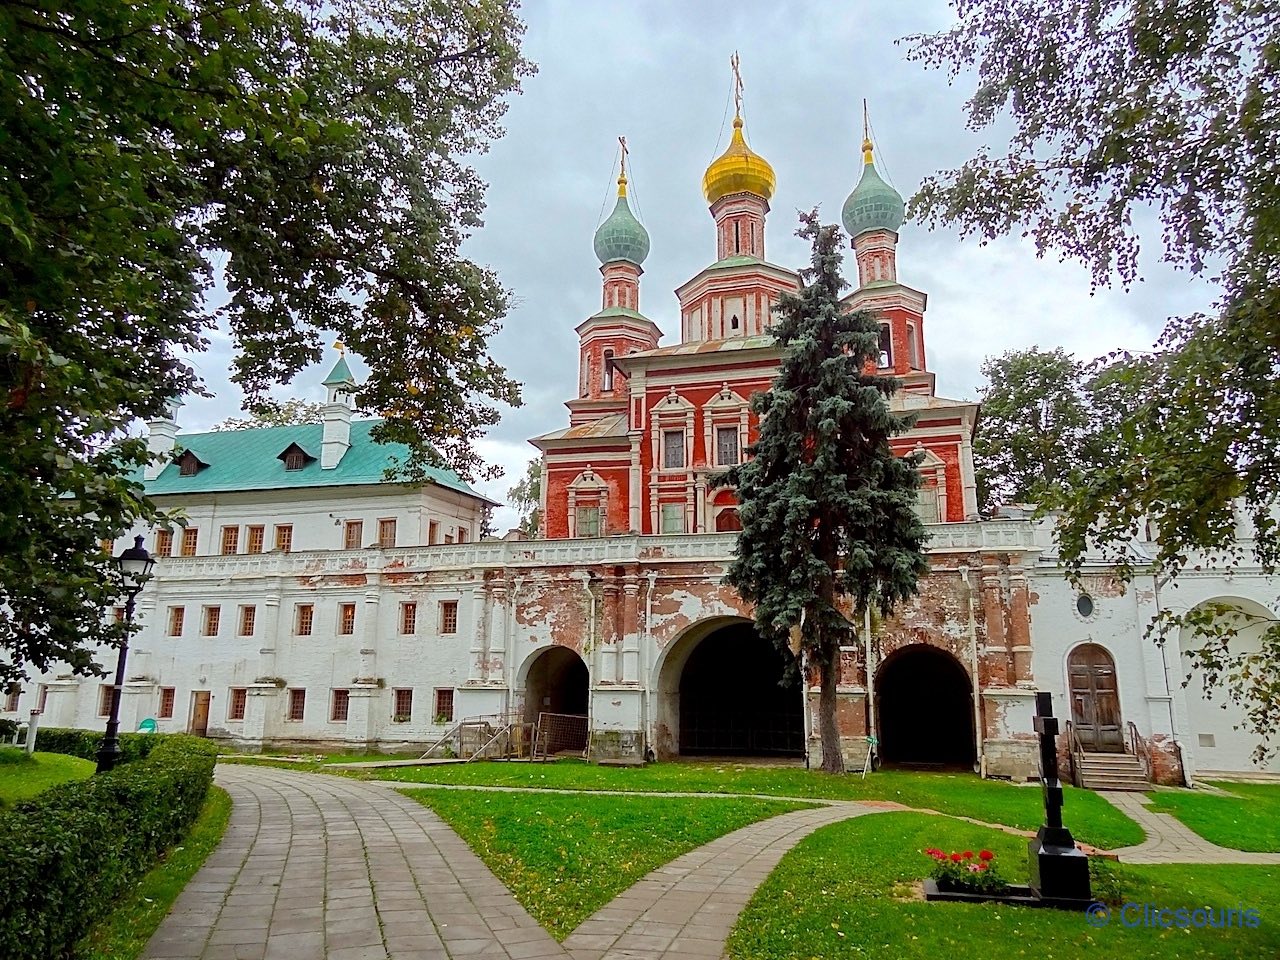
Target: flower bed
x,y
966,872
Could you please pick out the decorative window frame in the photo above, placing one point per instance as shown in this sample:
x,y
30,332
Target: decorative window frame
x,y
933,473
588,490
726,409
672,413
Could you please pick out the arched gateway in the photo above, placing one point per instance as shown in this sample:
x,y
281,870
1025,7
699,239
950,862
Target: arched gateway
x,y
719,694
924,704
556,682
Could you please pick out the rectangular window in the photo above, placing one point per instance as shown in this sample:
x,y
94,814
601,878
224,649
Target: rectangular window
x,y
726,446
42,698
212,621
297,704
462,534
164,543
672,518
403,705
108,547
353,535
886,346
177,617
167,696
339,705
257,535
248,616
927,504
444,705
588,522
448,616
306,616
608,371
190,537
408,618
672,449
346,619
104,699
433,532
11,699
284,537
236,703
230,540
913,348
386,533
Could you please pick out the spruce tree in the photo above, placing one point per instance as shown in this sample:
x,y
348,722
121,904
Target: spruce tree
x,y
827,508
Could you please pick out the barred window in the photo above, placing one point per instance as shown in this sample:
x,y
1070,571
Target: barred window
x,y
448,616
212,621
408,618
167,697
230,540
297,704
284,537
346,619
248,618
177,616
236,703
256,537
190,537
444,705
339,706
403,704
306,616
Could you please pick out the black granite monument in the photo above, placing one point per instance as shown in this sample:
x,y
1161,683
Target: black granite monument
x,y
1059,871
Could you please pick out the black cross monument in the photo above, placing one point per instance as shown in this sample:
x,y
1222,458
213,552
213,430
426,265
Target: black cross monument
x,y
1059,871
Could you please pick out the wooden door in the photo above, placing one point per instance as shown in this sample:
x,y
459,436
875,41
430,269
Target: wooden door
x,y
1095,699
200,713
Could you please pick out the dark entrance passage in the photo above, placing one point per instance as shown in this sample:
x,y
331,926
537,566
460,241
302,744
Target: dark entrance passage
x,y
731,702
925,708
556,683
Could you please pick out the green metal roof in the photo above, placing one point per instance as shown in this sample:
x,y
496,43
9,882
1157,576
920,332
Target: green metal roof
x,y
873,205
248,460
618,312
621,237
339,375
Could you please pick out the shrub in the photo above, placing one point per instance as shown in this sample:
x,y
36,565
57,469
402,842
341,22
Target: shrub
x,y
85,743
13,755
8,729
68,854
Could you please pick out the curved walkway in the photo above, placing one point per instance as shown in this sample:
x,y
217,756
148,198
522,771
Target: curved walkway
x,y
687,908
314,866
1169,840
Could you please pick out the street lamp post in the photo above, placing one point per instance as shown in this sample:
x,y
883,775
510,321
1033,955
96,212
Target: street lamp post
x,y
134,564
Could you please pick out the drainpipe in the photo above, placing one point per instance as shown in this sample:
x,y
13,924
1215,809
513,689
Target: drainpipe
x,y
871,674
590,646
1157,582
645,688
977,687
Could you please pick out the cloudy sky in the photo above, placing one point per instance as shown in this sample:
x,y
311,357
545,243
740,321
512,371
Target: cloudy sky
x,y
658,72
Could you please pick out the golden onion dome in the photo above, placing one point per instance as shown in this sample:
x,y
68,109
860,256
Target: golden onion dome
x,y
738,170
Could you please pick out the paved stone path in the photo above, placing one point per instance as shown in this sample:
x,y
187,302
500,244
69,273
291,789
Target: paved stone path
x,y
323,867
687,907
1169,840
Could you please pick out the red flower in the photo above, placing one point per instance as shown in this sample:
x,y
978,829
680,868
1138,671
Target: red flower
x,y
986,855
980,866
968,854
956,857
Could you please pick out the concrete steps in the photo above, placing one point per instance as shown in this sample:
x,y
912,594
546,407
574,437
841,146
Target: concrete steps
x,y
1113,771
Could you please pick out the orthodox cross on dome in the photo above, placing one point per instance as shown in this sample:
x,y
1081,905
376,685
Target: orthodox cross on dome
x,y
866,133
340,347
734,63
622,168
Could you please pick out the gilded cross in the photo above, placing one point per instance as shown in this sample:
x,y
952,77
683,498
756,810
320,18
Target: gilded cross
x,y
737,85
623,141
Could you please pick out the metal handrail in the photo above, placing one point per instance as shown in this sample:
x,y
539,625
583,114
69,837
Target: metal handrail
x,y
455,731
1139,749
1075,754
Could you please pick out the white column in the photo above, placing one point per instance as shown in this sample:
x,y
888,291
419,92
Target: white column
x,y
495,662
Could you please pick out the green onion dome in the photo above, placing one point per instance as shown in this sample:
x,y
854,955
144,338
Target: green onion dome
x,y
621,237
873,205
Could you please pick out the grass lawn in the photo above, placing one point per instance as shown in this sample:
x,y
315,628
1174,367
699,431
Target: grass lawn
x,y
565,856
841,893
22,777
1090,817
1249,820
123,933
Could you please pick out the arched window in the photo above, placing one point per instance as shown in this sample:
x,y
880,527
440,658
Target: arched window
x,y
886,346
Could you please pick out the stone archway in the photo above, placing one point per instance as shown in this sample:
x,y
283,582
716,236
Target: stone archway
x,y
924,706
556,682
719,694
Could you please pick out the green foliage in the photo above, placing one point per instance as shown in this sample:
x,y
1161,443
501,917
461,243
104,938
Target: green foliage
x,y
564,857
1034,428
273,413
67,855
526,498
827,508
1120,112
123,933
8,729
12,755
850,890
315,153
85,743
